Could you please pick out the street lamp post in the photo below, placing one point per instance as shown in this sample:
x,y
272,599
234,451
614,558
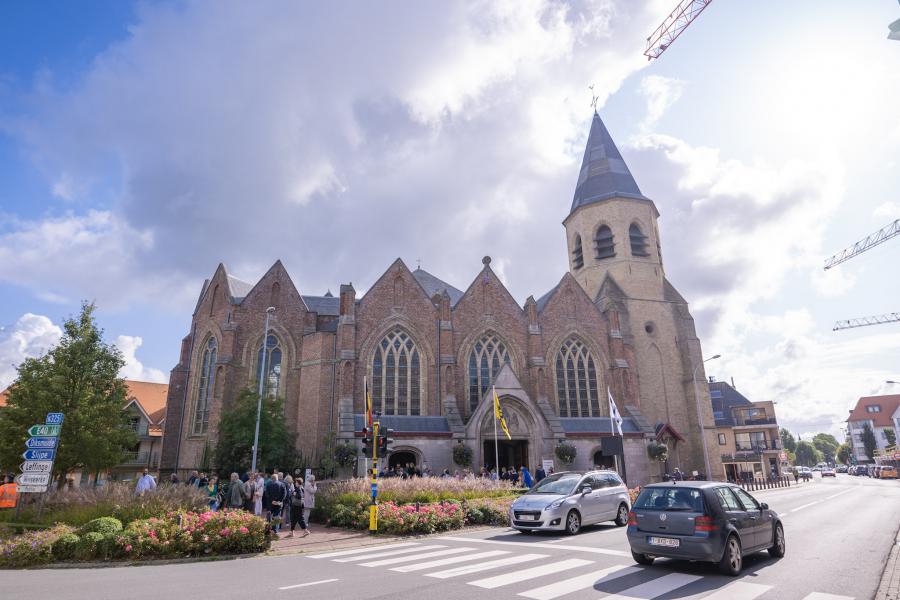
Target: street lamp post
x,y
699,417
262,365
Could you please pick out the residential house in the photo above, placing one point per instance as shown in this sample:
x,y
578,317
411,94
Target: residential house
x,y
882,414
746,432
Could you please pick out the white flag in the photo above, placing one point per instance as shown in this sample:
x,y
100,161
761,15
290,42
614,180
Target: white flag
x,y
614,415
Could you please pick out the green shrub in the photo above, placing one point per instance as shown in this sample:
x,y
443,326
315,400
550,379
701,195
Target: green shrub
x,y
90,546
103,525
64,547
488,511
33,548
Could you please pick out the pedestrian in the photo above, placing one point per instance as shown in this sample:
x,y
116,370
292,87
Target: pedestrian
x,y
273,501
297,508
145,484
8,492
288,508
678,475
309,497
259,488
527,480
212,492
173,479
539,474
237,494
192,480
202,481
250,493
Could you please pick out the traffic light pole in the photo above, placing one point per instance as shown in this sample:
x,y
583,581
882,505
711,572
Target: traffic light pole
x,y
373,506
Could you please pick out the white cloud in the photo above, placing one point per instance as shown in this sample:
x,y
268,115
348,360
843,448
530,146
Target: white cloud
x,y
30,337
661,93
133,368
888,210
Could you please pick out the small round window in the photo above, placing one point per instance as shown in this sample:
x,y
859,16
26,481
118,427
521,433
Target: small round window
x,y
649,327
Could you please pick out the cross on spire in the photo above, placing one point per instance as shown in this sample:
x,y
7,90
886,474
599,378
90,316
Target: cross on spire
x,y
594,98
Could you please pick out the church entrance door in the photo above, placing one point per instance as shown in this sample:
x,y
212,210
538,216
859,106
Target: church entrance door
x,y
512,453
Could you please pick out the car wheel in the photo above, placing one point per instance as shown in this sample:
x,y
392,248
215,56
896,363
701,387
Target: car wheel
x,y
778,544
622,516
732,561
641,559
573,522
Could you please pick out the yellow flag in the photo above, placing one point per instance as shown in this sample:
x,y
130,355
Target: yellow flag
x,y
498,414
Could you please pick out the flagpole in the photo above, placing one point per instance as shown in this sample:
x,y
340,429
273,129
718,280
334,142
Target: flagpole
x,y
496,444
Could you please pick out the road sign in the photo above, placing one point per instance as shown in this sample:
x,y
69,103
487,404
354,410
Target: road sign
x,y
43,443
36,466
31,489
36,430
33,479
39,454
54,419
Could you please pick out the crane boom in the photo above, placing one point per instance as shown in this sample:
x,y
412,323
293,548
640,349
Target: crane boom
x,y
673,25
879,237
865,321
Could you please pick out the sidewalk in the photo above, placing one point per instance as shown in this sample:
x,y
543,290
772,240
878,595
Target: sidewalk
x,y
890,579
321,539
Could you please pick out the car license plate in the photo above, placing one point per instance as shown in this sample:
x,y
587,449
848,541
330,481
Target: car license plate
x,y
527,518
661,541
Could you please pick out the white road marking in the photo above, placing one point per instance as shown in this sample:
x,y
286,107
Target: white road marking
x,y
823,596
541,545
655,588
396,560
491,564
448,561
840,494
739,590
532,573
300,585
799,508
574,584
377,555
361,550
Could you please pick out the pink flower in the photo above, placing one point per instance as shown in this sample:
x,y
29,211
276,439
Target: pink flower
x,y
244,530
128,548
225,532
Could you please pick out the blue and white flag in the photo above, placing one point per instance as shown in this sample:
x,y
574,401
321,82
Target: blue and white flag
x,y
614,416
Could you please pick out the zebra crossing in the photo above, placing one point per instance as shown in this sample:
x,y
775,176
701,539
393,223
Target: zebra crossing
x,y
517,570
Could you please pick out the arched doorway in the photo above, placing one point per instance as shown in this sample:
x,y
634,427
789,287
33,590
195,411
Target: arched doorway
x,y
402,458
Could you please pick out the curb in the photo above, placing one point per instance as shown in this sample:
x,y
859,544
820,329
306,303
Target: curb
x,y
889,588
138,563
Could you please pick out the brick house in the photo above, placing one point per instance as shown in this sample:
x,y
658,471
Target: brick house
x,y
432,351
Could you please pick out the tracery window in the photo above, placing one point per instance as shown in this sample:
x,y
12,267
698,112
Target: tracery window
x,y
638,241
487,357
577,254
603,242
576,381
272,369
204,390
396,375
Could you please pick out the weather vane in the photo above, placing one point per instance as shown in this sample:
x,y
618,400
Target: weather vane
x,y
594,98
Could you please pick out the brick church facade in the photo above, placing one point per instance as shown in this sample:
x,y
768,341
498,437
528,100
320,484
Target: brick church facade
x,y
432,352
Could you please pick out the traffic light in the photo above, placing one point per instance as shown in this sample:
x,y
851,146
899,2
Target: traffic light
x,y
367,441
384,441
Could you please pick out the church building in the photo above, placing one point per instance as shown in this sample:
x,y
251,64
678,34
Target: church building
x,y
613,325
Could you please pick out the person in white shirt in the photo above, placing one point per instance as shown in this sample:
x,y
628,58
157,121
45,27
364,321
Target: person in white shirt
x,y
309,497
258,494
145,483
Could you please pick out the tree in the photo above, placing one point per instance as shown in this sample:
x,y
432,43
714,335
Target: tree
x,y
869,442
890,436
844,453
827,444
788,441
79,378
807,455
234,447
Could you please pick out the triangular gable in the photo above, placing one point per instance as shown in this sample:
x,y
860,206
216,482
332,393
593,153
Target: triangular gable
x,y
506,379
666,429
488,274
285,278
568,283
397,267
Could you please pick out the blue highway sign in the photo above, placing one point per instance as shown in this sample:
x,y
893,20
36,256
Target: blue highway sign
x,y
41,443
54,419
39,454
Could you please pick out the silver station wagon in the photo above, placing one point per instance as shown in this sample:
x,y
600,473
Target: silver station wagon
x,y
569,500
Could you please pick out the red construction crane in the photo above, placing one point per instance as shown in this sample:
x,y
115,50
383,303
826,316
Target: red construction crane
x,y
677,21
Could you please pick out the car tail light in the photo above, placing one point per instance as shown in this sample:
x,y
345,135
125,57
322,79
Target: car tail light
x,y
705,523
632,519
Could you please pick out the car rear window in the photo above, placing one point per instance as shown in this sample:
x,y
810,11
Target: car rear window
x,y
670,498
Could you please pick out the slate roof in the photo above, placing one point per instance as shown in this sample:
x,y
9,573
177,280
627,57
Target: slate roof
x,y
543,300
724,398
433,285
239,289
604,173
407,424
326,306
595,425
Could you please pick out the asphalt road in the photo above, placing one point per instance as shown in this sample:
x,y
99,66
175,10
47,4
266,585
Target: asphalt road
x,y
839,533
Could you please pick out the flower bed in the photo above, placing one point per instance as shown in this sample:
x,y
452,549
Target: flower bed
x,y
177,534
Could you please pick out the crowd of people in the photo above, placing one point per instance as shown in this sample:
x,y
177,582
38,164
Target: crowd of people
x,y
522,477
284,501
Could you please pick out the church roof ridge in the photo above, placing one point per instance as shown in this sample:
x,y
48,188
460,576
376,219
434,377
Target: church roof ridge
x,y
435,285
604,173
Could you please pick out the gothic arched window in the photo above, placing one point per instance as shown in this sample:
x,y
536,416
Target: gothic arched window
x,y
638,241
272,369
487,357
205,388
576,381
603,242
577,254
396,375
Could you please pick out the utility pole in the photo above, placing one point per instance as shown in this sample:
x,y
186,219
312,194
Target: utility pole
x,y
262,366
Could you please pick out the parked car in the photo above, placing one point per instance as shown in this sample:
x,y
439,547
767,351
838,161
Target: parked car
x,y
861,471
803,473
828,472
888,472
704,521
842,468
569,500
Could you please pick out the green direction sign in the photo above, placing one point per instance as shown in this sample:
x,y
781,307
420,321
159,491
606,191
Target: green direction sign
x,y
44,430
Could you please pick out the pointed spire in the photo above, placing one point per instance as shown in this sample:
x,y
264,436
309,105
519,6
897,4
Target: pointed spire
x,y
604,173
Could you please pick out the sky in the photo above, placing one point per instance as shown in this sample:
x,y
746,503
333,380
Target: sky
x,y
142,143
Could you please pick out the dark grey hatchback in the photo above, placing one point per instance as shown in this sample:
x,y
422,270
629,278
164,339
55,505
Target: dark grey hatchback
x,y
702,520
